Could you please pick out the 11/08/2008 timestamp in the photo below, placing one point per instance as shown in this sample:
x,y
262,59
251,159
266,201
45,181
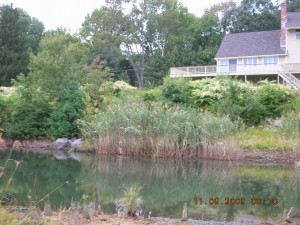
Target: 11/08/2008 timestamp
x,y
235,201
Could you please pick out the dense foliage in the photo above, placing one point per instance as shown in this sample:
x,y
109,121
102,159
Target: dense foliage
x,y
19,35
63,120
81,78
226,96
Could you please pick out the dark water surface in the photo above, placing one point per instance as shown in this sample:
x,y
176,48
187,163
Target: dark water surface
x,y
167,185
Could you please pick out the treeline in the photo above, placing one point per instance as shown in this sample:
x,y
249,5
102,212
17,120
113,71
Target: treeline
x,y
140,40
20,35
65,78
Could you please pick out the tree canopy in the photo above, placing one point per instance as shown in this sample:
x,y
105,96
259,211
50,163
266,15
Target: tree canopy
x,y
19,35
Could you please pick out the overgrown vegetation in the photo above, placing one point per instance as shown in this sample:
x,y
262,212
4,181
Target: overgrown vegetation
x,y
74,85
131,202
156,130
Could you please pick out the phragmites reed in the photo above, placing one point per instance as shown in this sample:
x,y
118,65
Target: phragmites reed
x,y
157,131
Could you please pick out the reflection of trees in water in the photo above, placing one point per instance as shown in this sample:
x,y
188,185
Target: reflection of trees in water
x,y
167,184
48,172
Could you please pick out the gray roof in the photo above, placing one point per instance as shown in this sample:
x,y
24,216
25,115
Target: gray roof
x,y
293,20
250,44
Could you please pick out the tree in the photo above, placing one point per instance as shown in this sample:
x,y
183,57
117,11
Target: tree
x,y
14,47
293,5
152,36
103,29
60,57
97,86
252,15
63,121
33,28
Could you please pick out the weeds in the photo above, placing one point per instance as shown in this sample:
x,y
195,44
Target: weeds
x,y
131,203
7,214
291,126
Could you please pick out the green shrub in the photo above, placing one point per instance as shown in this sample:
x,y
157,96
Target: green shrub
x,y
275,98
153,95
8,100
176,90
207,91
63,121
239,102
29,121
28,114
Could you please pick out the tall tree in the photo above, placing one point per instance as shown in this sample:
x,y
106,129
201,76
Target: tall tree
x,y
19,35
14,46
33,28
252,15
293,5
60,57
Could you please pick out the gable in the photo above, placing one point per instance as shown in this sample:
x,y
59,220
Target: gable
x,y
250,44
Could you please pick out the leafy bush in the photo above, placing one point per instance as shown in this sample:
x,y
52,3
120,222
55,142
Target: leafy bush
x,y
30,121
8,100
120,86
206,92
275,98
28,114
152,95
63,121
239,102
176,90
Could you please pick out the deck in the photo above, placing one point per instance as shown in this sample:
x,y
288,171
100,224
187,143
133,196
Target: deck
x,y
234,70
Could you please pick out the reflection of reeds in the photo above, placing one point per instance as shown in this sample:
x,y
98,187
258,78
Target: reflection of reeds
x,y
159,132
36,186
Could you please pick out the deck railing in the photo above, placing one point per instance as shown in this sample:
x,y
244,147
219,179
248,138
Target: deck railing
x,y
291,67
257,69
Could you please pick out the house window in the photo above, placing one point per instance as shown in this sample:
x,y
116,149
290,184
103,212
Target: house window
x,y
298,34
224,67
270,60
250,61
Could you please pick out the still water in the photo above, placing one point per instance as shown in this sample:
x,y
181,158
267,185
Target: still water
x,y
222,191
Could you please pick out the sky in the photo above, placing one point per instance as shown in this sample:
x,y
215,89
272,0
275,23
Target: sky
x,y
70,14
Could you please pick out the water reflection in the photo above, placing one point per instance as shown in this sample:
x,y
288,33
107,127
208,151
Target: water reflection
x,y
167,185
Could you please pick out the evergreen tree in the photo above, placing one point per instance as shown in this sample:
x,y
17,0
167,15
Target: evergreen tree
x,y
14,47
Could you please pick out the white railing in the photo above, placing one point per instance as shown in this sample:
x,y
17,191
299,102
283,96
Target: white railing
x,y
290,80
198,71
291,67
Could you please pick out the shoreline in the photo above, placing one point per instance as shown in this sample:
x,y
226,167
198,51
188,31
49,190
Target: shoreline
x,y
281,157
64,216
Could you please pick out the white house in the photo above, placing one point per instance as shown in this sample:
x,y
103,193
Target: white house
x,y
257,55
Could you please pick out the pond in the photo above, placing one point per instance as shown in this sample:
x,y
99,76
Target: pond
x,y
222,191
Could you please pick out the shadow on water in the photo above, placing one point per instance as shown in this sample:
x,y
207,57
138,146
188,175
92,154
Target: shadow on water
x,y
167,185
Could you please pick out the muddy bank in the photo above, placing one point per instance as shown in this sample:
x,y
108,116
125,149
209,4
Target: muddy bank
x,y
74,217
227,154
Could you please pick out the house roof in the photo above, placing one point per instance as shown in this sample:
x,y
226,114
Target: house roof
x,y
250,44
293,20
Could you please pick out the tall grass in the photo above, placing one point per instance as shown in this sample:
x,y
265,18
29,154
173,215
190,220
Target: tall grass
x,y
291,126
157,130
131,203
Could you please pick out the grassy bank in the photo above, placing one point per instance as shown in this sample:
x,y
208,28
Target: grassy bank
x,y
158,130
